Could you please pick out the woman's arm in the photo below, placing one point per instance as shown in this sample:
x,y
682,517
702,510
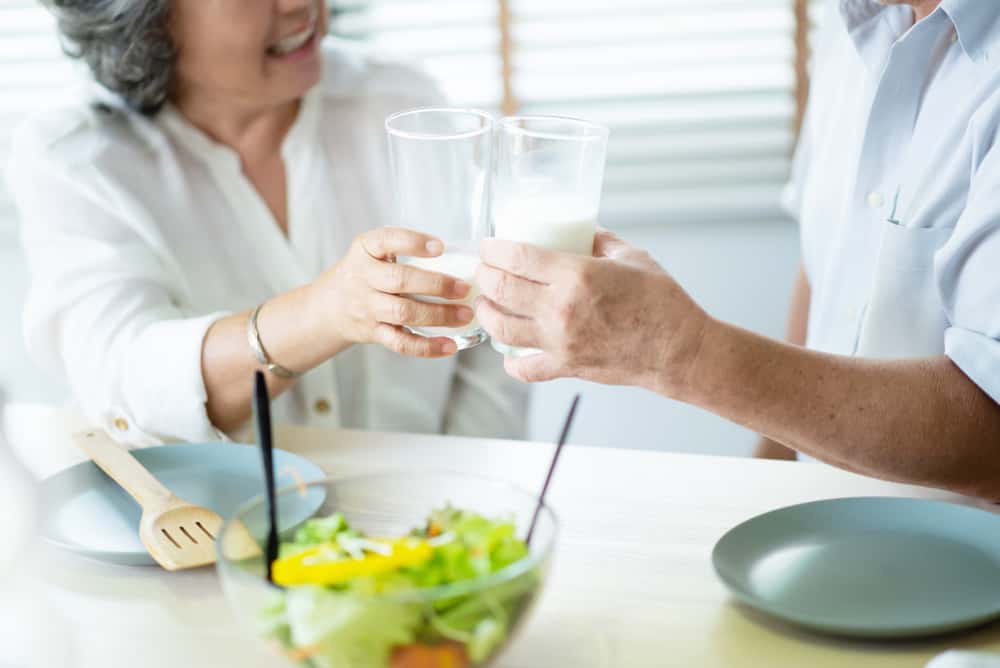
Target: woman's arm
x,y
360,300
798,322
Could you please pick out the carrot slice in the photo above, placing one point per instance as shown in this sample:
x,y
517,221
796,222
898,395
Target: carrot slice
x,y
418,655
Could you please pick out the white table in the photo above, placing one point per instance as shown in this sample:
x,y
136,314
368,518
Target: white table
x,y
632,585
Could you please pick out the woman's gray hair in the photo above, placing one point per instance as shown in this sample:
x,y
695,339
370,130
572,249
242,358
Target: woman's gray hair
x,y
126,44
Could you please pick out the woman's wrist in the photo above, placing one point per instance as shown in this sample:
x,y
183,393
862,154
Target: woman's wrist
x,y
321,320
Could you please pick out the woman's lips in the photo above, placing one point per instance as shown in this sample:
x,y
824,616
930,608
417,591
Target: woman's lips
x,y
293,43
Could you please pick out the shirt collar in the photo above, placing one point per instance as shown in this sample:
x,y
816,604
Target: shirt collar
x,y
873,26
976,22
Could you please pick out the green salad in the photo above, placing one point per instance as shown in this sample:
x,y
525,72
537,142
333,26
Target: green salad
x,y
352,601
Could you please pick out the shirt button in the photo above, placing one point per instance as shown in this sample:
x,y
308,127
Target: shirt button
x,y
322,406
954,37
121,424
851,312
875,200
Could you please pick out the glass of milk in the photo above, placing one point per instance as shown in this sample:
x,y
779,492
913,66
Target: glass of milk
x,y
441,161
547,186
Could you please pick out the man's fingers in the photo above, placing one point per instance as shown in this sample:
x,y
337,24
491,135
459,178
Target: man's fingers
x,y
386,243
399,279
510,292
403,311
506,328
607,244
398,340
530,262
534,368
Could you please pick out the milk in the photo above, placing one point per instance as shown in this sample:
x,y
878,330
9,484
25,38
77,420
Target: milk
x,y
461,264
558,223
554,222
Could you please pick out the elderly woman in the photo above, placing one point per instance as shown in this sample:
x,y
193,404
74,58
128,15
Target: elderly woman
x,y
216,206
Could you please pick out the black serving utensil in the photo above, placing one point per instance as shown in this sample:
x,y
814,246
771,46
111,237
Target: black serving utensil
x,y
262,419
552,467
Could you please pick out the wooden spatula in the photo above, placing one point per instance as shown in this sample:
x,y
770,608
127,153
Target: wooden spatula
x,y
177,534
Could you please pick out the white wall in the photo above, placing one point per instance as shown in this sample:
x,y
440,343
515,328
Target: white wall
x,y
741,272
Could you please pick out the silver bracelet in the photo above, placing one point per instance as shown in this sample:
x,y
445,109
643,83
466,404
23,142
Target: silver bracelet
x,y
253,337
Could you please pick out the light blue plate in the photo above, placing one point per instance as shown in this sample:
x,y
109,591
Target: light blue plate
x,y
867,567
88,513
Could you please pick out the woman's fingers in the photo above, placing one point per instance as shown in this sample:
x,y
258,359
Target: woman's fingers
x,y
403,311
386,243
403,279
398,340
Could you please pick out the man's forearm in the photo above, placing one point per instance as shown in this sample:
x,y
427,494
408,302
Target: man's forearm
x,y
795,332
919,421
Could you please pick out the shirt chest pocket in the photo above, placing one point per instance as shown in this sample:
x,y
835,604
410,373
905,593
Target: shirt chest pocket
x,y
905,316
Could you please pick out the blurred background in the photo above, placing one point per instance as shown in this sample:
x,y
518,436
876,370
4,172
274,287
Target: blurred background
x,y
703,98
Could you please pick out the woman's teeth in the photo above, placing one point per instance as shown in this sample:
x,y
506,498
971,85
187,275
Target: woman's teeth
x,y
292,43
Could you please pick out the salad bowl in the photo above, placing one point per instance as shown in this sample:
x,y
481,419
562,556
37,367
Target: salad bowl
x,y
394,570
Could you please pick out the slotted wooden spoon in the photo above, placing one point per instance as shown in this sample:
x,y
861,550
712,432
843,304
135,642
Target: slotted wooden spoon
x,y
177,534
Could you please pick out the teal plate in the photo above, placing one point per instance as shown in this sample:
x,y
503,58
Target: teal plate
x,y
867,567
86,512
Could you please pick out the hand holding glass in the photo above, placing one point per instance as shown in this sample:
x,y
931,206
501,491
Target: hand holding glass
x,y
547,187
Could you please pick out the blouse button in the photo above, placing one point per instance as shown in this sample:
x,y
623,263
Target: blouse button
x,y
322,406
121,424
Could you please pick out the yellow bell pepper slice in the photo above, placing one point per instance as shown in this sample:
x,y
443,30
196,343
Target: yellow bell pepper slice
x,y
309,567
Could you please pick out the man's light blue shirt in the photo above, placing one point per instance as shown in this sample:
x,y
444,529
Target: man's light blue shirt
x,y
898,158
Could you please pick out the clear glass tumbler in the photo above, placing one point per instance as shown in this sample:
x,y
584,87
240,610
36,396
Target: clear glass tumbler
x,y
547,186
441,162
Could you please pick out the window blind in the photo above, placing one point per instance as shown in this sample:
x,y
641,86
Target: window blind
x,y
699,94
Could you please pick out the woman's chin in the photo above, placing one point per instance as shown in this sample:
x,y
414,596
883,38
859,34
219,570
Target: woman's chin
x,y
296,73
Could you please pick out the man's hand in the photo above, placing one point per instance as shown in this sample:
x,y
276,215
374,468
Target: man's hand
x,y
768,449
615,318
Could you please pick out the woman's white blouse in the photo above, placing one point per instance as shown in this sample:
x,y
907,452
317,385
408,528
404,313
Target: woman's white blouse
x,y
141,232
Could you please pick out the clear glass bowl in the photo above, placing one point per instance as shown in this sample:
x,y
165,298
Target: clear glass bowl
x,y
321,628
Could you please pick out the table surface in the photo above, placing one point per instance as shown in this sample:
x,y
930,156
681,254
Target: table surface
x,y
632,584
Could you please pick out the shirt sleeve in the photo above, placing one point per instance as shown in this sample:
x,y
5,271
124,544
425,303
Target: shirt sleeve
x,y
966,268
100,311
484,400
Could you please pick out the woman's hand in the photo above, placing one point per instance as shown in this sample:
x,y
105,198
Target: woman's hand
x,y
615,318
363,297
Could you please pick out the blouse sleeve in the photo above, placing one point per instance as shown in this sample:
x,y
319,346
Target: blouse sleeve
x,y
100,312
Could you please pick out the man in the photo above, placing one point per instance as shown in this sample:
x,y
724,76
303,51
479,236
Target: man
x,y
897,187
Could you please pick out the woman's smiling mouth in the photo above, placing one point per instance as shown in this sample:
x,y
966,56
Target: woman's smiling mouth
x,y
299,40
